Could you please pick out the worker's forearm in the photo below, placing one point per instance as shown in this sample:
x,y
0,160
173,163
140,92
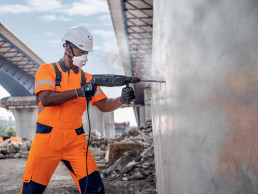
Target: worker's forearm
x,y
54,98
108,104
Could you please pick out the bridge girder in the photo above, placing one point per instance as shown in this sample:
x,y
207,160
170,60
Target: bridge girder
x,y
18,64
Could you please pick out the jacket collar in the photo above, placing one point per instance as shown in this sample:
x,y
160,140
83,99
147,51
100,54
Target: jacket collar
x,y
65,68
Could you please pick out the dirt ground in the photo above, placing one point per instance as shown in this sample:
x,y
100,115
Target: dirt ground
x,y
11,172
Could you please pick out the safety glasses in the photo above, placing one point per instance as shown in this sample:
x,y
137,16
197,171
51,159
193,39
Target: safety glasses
x,y
73,46
83,52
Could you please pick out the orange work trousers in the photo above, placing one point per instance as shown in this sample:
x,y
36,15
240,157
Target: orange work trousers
x,y
60,143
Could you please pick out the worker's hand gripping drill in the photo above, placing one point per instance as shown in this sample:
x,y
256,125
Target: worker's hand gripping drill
x,y
87,90
127,95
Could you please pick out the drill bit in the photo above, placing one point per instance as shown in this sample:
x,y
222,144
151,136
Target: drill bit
x,y
159,81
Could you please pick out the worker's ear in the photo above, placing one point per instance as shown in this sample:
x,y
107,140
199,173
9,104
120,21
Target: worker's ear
x,y
67,49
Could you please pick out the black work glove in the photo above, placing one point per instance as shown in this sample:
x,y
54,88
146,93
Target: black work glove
x,y
87,90
127,95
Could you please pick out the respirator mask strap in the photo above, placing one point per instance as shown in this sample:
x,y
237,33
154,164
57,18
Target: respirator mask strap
x,y
71,47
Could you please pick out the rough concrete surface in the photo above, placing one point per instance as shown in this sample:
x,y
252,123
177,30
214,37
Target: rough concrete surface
x,y
205,116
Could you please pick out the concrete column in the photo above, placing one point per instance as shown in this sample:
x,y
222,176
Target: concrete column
x,y
96,120
147,103
139,111
109,124
205,116
25,111
142,116
26,119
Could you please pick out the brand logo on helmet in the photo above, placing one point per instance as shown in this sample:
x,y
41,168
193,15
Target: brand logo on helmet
x,y
80,45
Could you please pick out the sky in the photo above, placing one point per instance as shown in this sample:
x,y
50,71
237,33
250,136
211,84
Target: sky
x,y
41,25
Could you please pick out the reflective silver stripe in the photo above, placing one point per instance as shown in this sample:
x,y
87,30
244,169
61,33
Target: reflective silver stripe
x,y
45,81
40,109
99,91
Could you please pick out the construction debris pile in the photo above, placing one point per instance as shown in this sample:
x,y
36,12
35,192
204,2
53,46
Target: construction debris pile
x,y
128,157
10,148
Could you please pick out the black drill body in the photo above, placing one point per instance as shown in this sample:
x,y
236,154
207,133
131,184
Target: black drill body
x,y
111,80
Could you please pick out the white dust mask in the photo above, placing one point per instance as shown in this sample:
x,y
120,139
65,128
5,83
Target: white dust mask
x,y
80,61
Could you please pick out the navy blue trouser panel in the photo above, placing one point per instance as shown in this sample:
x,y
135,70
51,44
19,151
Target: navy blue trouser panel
x,y
95,184
33,188
68,166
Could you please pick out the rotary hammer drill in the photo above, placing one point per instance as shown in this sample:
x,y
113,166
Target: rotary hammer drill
x,y
111,80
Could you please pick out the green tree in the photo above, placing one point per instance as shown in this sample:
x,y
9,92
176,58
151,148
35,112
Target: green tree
x,y
3,127
11,131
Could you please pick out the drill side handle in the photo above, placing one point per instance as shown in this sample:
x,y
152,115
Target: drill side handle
x,y
127,85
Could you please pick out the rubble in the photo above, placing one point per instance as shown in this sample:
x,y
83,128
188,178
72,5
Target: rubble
x,y
15,149
129,157
118,148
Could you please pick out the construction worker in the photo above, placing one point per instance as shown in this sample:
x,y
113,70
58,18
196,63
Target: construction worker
x,y
60,136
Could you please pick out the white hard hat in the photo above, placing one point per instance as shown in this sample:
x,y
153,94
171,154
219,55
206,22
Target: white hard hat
x,y
80,37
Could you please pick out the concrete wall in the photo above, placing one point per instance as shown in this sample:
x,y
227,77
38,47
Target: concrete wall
x,y
205,117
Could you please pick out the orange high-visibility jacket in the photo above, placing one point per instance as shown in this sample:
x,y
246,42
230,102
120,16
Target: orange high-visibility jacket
x,y
70,112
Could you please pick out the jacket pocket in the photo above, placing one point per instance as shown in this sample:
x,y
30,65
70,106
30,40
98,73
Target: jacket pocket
x,y
43,128
79,131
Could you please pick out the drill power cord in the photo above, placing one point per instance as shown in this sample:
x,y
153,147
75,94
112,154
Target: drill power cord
x,y
88,144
